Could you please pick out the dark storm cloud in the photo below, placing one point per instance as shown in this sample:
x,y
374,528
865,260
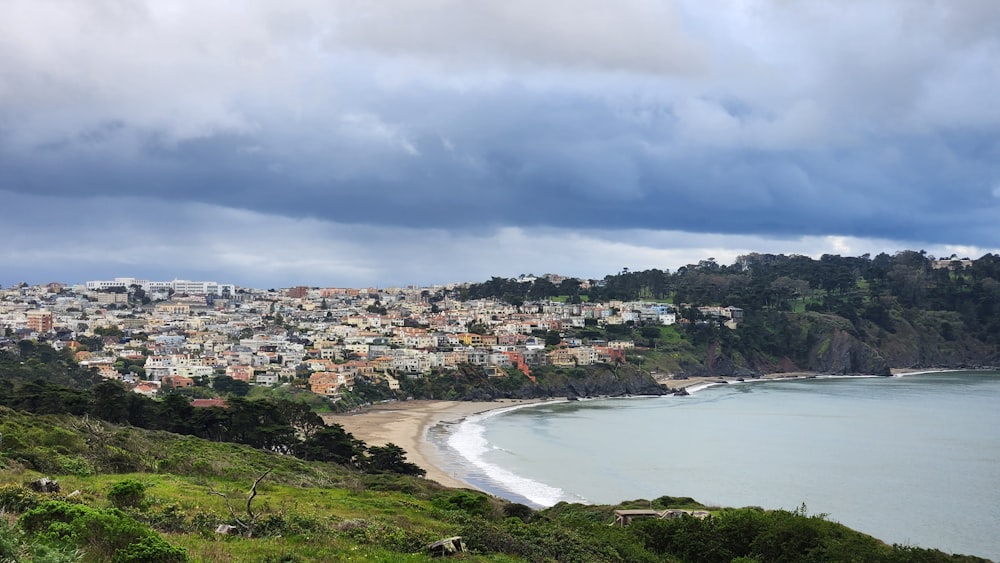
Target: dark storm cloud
x,y
766,118
520,161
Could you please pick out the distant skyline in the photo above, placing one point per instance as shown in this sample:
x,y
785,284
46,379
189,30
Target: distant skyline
x,y
336,143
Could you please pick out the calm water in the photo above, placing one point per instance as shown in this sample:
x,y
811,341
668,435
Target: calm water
x,y
912,460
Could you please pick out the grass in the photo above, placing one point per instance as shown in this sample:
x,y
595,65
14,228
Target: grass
x,y
316,511
308,512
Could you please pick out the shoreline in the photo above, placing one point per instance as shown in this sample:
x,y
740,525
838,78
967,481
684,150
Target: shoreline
x,y
406,423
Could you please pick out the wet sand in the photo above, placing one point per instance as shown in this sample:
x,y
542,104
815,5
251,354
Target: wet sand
x,y
405,424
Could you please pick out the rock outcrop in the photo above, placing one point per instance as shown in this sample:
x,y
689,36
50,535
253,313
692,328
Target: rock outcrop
x,y
843,354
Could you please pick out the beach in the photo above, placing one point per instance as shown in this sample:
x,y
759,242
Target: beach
x,y
525,465
405,424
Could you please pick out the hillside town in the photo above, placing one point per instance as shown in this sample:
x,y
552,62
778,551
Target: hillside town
x,y
156,336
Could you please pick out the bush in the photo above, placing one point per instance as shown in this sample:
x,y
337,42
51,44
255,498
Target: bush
x,y
17,499
517,510
10,545
127,494
385,535
150,549
167,518
475,504
105,535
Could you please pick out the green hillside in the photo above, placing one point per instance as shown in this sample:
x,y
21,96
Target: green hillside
x,y
179,489
835,314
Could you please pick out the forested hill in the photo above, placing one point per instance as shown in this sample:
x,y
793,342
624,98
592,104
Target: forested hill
x,y
834,314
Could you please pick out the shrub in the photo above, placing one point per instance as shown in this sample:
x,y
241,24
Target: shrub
x,y
518,510
105,535
75,465
167,518
127,494
385,535
17,499
10,545
474,504
150,549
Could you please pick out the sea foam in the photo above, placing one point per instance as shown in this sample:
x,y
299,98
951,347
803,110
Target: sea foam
x,y
468,440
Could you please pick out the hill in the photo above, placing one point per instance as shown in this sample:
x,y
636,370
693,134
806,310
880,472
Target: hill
x,y
835,314
179,489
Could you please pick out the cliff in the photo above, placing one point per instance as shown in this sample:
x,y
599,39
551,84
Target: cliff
x,y
811,342
598,380
470,383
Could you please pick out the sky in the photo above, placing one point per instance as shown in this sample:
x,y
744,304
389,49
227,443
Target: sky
x,y
382,143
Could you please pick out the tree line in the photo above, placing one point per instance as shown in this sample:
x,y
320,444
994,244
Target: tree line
x,y
278,425
862,288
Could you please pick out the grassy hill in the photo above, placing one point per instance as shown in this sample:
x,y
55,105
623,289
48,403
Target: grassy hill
x,y
128,494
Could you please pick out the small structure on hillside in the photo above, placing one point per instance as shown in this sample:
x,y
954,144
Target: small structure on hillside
x,y
448,546
624,517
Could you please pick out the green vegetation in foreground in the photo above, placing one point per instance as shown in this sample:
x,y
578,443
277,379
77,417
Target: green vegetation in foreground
x,y
313,511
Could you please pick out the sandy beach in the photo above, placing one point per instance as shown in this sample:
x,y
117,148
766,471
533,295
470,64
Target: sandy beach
x,y
405,424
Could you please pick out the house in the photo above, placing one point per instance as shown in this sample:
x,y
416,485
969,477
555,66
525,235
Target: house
x,y
266,379
240,373
147,388
177,381
325,383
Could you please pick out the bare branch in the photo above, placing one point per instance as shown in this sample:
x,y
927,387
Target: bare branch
x,y
253,493
251,519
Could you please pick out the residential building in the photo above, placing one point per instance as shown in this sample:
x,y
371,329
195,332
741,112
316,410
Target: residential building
x,y
40,320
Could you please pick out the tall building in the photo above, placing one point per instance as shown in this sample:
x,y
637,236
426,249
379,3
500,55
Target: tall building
x,y
298,292
40,320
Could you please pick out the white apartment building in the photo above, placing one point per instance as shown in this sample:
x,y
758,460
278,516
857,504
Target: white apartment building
x,y
179,286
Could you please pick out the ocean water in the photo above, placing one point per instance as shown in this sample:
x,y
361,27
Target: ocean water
x,y
913,460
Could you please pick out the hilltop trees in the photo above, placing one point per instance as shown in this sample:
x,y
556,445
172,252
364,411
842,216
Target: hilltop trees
x,y
276,425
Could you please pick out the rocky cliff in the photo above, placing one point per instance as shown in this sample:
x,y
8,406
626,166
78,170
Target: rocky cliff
x,y
470,384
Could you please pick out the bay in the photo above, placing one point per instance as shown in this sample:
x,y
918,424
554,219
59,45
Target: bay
x,y
913,460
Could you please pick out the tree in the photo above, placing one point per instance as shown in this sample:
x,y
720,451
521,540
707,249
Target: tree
x,y
552,338
331,444
228,386
176,413
390,459
650,331
110,402
258,424
300,416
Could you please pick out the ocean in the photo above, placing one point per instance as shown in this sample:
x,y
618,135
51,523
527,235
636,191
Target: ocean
x,y
912,460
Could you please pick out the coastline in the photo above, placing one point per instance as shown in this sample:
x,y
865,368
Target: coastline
x,y
703,381
405,423
373,425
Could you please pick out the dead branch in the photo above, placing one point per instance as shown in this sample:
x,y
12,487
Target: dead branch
x,y
248,524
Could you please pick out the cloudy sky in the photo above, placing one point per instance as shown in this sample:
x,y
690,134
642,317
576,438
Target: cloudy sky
x,y
386,142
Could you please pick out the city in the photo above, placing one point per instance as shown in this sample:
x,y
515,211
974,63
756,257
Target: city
x,y
158,336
